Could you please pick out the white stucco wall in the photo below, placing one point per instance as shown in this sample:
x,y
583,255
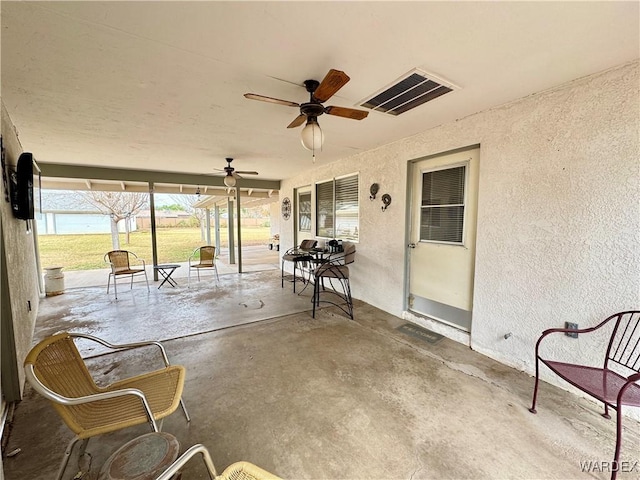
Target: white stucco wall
x,y
21,287
558,213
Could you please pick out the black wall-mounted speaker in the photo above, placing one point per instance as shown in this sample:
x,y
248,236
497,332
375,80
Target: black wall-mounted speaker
x,y
22,188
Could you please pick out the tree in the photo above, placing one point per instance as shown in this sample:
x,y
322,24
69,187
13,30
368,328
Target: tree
x,y
119,206
171,208
187,202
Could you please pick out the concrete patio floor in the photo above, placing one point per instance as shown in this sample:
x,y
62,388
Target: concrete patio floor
x,y
323,398
254,259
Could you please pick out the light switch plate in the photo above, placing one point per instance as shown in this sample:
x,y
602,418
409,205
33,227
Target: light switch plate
x,y
572,326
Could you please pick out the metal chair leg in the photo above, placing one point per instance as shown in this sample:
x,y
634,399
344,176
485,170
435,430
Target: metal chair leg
x,y
315,299
295,268
282,274
348,297
184,409
616,457
83,447
65,459
535,388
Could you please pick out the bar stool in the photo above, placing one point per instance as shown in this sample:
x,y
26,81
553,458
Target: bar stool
x,y
336,271
301,258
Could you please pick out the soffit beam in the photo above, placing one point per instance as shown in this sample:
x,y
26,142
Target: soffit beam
x,y
218,197
83,172
48,184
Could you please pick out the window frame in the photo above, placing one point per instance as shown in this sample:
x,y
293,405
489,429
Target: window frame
x,y
466,164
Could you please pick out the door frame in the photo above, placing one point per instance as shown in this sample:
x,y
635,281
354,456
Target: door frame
x,y
411,168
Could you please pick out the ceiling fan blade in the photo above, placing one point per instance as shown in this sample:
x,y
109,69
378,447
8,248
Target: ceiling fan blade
x,y
299,120
277,101
244,172
333,81
347,112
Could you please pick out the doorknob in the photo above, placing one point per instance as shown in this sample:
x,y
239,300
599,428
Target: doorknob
x,y
412,245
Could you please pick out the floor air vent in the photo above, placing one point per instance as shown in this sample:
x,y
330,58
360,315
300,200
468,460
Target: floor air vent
x,y
409,91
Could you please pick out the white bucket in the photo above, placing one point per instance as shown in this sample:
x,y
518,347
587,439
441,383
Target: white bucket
x,y
53,281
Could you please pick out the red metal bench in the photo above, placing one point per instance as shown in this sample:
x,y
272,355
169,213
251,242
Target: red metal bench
x,y
617,383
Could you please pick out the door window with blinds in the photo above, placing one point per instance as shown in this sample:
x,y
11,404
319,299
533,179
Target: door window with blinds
x,y
304,211
442,208
337,214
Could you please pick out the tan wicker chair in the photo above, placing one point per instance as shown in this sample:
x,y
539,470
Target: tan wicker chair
x,y
121,265
235,471
55,369
207,259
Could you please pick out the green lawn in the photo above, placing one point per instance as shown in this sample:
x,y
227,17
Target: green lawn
x,y
86,251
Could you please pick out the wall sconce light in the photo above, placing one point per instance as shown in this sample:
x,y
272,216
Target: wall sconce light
x,y
386,199
373,190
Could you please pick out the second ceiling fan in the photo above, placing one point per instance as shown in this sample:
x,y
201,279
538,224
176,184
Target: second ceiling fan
x,y
319,92
232,175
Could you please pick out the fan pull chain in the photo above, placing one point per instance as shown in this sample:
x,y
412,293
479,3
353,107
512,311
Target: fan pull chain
x,y
313,150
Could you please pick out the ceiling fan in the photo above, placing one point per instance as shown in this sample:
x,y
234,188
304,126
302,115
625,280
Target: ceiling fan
x,y
232,175
319,92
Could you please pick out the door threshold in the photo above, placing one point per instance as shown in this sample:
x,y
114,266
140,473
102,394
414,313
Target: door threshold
x,y
448,331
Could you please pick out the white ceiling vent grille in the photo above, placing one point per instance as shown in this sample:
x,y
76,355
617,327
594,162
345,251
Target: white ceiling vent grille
x,y
409,91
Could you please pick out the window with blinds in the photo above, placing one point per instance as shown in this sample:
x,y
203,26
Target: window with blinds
x,y
304,212
324,209
346,215
442,208
337,212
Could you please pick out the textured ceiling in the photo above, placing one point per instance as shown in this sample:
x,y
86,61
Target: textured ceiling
x,y
159,85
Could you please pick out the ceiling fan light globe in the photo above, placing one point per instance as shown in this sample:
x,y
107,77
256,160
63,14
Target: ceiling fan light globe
x,y
312,136
230,181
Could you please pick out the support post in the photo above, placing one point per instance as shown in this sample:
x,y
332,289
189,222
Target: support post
x,y
239,219
154,245
51,223
232,247
216,218
208,225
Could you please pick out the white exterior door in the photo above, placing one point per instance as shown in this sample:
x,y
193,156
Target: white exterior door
x,y
443,237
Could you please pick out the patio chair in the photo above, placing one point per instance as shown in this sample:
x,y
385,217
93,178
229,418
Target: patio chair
x,y
335,270
235,471
56,370
301,258
121,265
207,259
617,383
